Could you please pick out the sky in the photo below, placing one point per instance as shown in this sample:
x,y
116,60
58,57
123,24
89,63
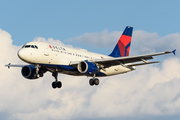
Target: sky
x,y
150,92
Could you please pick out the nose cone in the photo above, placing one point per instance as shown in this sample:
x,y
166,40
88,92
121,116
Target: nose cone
x,y
21,54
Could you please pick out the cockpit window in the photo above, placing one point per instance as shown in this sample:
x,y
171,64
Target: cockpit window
x,y
27,46
30,46
36,47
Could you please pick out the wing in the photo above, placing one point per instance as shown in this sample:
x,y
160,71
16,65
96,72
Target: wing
x,y
126,61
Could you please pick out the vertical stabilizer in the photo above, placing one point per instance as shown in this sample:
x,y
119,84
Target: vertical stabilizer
x,y
122,48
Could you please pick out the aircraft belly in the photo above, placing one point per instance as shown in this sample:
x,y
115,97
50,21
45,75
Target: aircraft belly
x,y
68,72
107,72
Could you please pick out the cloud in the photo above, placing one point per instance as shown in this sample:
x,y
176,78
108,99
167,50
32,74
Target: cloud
x,y
142,42
52,41
151,90
102,39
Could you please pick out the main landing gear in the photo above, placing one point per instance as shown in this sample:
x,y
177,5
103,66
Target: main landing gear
x,y
56,84
94,81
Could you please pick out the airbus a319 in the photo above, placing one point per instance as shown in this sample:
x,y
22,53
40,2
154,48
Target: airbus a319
x,y
43,57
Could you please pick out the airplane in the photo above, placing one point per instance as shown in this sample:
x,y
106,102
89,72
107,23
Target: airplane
x,y
42,57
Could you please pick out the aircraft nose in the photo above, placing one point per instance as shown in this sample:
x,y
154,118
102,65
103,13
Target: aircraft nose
x,y
21,54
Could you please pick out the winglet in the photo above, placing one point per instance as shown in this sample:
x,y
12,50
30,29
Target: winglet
x,y
174,52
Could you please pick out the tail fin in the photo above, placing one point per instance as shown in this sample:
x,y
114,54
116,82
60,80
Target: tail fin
x,y
122,48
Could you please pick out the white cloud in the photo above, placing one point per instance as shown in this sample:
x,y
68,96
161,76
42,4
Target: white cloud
x,y
51,40
102,39
150,90
142,42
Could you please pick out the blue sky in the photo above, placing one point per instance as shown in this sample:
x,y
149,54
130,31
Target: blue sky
x,y
60,19
149,93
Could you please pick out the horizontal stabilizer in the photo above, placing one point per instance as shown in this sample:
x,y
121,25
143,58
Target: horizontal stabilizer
x,y
9,65
138,64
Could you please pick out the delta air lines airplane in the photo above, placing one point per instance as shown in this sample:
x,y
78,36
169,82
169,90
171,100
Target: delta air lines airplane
x,y
43,57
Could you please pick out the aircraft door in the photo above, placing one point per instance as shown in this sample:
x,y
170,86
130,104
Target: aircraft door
x,y
46,50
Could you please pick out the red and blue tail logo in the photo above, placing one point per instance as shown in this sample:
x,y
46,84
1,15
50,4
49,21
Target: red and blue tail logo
x,y
122,48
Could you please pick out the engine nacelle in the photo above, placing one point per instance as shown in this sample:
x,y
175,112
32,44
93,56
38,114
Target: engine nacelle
x,y
87,67
29,72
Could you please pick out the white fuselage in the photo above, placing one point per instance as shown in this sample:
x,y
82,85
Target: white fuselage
x,y
49,54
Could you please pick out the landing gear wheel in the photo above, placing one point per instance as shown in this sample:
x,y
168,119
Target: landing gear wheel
x,y
59,84
91,82
54,85
96,81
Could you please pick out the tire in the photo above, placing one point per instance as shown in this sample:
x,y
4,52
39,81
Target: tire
x,y
59,84
54,85
96,81
91,82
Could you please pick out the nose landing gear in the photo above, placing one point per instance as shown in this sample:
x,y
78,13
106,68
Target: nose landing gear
x,y
56,83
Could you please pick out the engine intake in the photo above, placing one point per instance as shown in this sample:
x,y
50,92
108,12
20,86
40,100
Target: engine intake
x,y
87,67
29,72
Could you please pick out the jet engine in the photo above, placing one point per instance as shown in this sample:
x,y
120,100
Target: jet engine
x,y
87,67
29,72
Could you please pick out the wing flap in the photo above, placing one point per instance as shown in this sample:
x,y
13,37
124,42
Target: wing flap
x,y
138,64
